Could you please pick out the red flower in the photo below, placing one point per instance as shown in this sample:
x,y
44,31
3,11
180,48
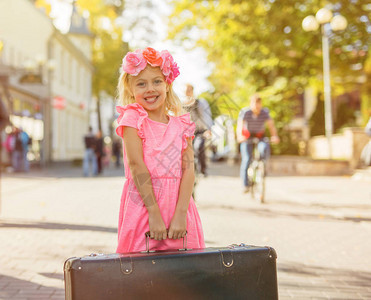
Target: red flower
x,y
152,56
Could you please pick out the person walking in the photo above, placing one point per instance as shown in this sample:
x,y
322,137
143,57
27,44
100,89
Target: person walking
x,y
25,138
4,120
17,153
9,145
99,151
90,159
4,116
200,114
117,151
251,123
158,157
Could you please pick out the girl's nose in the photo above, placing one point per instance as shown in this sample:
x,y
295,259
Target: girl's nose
x,y
150,87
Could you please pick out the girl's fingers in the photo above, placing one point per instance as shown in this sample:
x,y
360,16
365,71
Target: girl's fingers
x,y
175,235
159,236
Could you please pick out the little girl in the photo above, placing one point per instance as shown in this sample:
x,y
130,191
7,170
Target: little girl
x,y
158,157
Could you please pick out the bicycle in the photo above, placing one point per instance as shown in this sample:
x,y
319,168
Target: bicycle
x,y
257,171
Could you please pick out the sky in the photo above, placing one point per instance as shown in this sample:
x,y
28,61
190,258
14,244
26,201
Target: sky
x,y
193,65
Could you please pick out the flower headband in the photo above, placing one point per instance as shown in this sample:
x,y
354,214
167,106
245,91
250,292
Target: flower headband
x,y
135,62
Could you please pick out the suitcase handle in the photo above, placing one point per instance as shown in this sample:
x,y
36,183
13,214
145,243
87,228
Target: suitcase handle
x,y
148,235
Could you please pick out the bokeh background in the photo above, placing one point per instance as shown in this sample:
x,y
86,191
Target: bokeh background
x,y
60,61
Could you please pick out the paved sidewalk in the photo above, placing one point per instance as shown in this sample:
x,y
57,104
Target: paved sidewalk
x,y
319,226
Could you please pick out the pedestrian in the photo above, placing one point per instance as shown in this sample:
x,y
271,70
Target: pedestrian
x,y
201,115
25,138
4,116
158,157
90,159
17,152
117,151
99,151
4,120
9,145
107,154
251,123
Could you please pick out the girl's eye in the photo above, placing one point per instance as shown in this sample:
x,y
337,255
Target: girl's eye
x,y
140,84
158,81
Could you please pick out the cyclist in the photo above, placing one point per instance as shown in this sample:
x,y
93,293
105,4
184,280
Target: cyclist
x,y
251,123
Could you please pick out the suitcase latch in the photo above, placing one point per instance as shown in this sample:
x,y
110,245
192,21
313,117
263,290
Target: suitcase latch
x,y
126,266
227,258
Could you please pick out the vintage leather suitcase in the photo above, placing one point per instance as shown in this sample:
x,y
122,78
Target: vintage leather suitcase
x,y
234,272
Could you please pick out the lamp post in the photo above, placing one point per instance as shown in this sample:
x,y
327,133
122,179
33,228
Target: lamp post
x,y
310,23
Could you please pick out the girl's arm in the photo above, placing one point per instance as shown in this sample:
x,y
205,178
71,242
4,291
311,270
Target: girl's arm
x,y
178,225
143,182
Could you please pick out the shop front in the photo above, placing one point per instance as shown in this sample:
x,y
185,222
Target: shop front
x,y
25,103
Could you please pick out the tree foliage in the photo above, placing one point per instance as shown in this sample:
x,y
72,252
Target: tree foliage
x,y
108,47
259,45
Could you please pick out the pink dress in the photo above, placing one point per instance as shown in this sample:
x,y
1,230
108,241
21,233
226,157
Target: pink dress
x,y
163,145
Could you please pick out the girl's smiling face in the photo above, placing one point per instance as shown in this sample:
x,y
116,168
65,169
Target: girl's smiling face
x,y
149,89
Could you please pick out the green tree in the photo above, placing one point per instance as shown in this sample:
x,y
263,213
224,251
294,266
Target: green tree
x,y
317,120
345,117
259,45
108,47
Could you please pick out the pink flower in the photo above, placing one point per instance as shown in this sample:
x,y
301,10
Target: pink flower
x,y
169,68
152,56
134,62
167,61
174,73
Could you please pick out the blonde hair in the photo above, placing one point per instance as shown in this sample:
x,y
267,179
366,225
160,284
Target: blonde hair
x,y
173,106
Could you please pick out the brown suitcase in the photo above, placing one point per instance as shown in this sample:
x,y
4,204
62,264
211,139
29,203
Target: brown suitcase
x,y
234,272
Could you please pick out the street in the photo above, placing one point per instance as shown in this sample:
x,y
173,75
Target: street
x,y
319,226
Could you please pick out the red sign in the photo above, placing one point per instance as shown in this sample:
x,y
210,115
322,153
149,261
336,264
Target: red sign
x,y
59,102
82,105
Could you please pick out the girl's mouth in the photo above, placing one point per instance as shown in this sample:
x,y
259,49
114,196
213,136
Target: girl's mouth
x,y
151,100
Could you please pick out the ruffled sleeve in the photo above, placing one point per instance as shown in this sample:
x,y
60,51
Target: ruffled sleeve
x,y
131,115
188,128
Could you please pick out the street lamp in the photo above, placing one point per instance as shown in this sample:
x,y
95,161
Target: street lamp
x,y
310,23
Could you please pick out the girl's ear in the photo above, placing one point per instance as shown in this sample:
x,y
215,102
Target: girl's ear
x,y
167,87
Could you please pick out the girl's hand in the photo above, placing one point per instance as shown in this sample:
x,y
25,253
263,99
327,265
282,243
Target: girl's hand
x,y
178,226
157,226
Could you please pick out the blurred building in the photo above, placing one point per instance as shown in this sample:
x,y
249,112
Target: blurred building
x,y
46,77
